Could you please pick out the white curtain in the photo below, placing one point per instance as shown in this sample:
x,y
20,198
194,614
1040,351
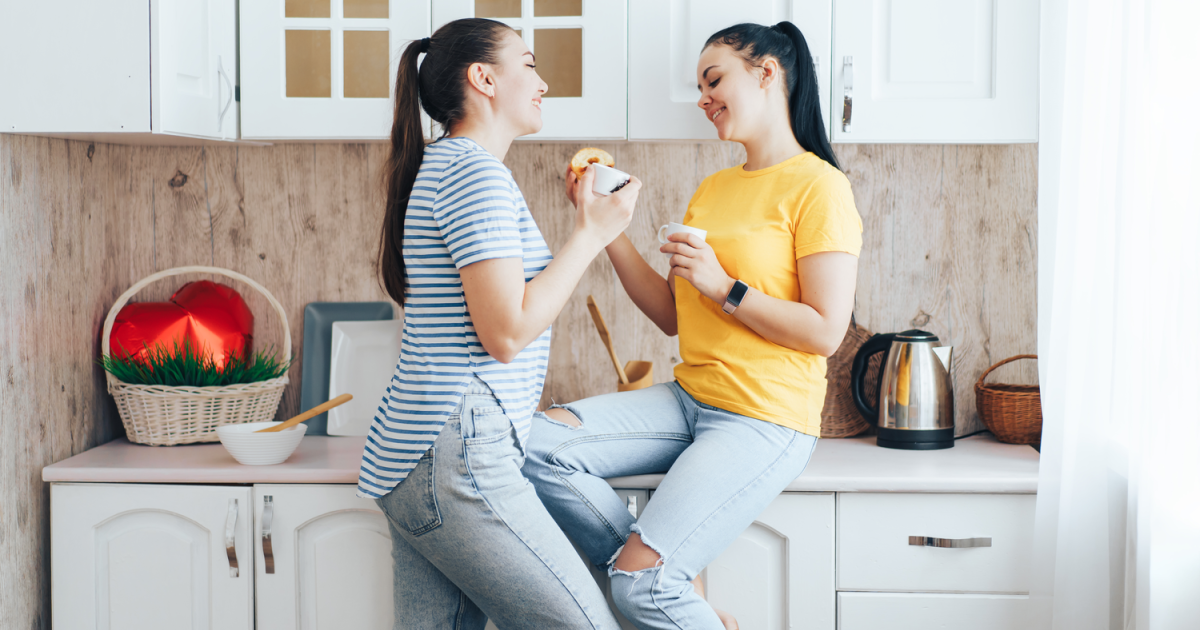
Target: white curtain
x,y
1118,511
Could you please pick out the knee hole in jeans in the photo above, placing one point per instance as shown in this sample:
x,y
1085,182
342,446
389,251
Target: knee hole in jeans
x,y
636,556
564,416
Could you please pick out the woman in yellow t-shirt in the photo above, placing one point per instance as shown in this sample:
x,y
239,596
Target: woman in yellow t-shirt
x,y
758,306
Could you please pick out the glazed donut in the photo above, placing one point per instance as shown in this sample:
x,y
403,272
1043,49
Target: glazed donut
x,y
587,156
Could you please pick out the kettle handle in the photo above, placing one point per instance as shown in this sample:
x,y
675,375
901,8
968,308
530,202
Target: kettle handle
x,y
858,373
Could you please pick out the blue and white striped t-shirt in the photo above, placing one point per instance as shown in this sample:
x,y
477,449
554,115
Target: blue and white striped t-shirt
x,y
465,207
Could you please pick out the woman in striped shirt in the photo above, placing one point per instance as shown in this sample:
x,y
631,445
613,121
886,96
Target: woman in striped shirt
x,y
460,251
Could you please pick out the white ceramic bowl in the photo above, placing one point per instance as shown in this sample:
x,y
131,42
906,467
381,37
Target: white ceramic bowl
x,y
260,449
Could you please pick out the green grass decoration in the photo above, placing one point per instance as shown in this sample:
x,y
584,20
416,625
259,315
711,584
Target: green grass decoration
x,y
186,365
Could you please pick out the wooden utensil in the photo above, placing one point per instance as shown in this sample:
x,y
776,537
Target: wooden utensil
x,y
599,320
315,411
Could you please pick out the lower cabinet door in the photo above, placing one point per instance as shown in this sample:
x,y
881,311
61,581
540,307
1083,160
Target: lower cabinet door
x,y
323,559
779,573
148,557
922,611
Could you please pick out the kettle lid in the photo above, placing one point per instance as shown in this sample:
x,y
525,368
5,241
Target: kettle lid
x,y
915,335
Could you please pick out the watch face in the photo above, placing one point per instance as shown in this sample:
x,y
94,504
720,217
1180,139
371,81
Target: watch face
x,y
737,292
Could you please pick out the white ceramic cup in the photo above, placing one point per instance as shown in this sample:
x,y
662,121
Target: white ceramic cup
x,y
608,180
675,228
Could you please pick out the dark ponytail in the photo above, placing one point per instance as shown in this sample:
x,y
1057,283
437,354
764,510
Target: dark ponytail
x,y
439,87
785,43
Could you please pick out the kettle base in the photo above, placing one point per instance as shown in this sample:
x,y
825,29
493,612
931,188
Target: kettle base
x,y
916,439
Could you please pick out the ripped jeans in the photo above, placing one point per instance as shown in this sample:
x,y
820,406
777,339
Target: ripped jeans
x,y
722,470
471,540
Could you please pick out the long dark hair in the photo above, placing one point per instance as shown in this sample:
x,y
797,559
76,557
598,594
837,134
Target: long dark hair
x,y
438,87
786,43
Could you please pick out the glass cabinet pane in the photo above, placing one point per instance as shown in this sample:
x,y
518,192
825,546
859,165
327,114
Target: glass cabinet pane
x,y
306,8
308,64
551,8
559,54
365,8
498,8
365,64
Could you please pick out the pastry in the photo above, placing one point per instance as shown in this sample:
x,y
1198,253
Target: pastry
x,y
587,156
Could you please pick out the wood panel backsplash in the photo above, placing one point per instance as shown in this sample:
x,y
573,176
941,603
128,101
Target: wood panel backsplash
x,y
949,246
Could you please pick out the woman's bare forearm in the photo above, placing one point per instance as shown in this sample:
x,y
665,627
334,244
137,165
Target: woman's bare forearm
x,y
506,325
647,289
794,325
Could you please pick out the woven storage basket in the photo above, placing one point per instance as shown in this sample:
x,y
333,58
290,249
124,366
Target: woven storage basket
x,y
839,417
161,415
1012,412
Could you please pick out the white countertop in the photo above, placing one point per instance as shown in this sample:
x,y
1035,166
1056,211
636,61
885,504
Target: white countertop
x,y
975,464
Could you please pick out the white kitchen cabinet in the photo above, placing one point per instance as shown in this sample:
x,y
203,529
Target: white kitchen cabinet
x,y
581,55
323,559
779,573
987,539
912,561
147,557
324,69
922,611
128,550
936,71
123,70
665,40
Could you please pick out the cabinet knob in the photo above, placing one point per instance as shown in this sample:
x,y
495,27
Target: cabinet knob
x,y
231,537
948,543
847,92
268,553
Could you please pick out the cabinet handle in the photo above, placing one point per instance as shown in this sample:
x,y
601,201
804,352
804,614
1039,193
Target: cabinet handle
x,y
231,537
221,74
631,505
949,543
847,92
268,553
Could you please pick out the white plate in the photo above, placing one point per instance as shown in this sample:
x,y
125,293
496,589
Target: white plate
x,y
362,362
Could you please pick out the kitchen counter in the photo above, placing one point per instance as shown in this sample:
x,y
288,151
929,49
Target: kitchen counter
x,y
975,464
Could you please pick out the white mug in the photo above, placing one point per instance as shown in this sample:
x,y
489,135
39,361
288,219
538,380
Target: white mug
x,y
675,228
608,180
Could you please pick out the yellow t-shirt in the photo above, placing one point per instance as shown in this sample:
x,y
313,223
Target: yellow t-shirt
x,y
759,223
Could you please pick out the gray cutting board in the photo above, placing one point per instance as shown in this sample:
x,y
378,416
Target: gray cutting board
x,y
318,342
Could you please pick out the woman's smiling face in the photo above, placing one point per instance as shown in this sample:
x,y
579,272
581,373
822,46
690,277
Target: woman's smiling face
x,y
731,93
519,89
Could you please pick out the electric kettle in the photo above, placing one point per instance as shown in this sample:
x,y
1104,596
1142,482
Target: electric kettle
x,y
916,398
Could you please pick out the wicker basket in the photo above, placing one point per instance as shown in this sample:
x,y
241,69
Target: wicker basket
x,y
1012,412
161,415
839,417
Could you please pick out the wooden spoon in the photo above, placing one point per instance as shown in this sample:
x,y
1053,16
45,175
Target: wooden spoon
x,y
599,320
315,411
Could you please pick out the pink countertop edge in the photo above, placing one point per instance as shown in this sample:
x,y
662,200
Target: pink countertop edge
x,y
977,464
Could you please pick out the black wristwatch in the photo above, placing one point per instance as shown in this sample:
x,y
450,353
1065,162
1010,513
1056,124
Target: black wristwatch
x,y
735,297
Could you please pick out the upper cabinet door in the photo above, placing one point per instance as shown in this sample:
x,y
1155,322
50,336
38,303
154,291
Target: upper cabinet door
x,y
580,50
79,67
194,68
937,71
323,69
665,41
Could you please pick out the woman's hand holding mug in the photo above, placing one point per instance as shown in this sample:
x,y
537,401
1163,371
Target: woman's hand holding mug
x,y
603,217
693,260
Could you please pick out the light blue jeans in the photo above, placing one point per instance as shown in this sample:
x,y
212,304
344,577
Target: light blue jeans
x,y
471,540
722,470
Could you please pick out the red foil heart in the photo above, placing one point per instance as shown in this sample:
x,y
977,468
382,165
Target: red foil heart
x,y
209,316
